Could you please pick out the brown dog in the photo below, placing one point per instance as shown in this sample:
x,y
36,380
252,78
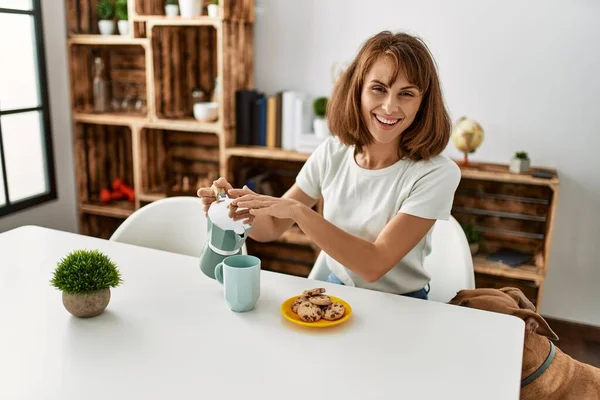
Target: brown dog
x,y
561,377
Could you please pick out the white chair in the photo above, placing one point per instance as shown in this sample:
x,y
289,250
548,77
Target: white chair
x,y
449,263
174,224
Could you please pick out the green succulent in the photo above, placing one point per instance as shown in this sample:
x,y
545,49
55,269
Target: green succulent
x,y
85,271
215,2
320,106
105,9
522,155
171,2
472,233
121,10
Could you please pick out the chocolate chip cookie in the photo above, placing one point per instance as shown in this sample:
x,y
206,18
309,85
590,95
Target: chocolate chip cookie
x,y
309,312
313,292
320,300
333,311
297,302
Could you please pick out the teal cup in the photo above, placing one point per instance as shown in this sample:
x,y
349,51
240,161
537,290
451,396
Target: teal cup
x,y
240,277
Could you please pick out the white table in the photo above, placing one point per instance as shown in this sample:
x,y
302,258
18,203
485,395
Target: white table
x,y
168,334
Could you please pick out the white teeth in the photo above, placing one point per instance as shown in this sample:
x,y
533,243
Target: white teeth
x,y
386,121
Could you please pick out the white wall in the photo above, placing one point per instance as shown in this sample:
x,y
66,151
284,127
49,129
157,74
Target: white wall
x,y
528,71
61,213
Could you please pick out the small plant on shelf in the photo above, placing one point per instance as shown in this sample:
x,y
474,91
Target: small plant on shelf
x,y
106,15
320,121
171,8
520,163
474,237
85,278
122,16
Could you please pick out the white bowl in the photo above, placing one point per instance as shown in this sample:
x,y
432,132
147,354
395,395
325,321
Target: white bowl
x,y
208,111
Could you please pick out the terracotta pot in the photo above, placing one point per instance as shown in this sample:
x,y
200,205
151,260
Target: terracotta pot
x,y
85,305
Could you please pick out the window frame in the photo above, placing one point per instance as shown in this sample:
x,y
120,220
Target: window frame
x,y
44,109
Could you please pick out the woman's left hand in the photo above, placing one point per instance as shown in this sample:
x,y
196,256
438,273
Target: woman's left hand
x,y
266,205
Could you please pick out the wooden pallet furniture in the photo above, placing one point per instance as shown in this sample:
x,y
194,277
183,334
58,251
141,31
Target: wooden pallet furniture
x,y
513,211
158,149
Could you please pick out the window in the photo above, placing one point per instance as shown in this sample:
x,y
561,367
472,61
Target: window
x,y
26,157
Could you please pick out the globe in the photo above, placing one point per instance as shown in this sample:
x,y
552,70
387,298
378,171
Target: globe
x,y
467,136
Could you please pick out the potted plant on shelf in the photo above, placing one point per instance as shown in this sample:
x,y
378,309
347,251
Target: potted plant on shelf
x,y
190,8
85,278
520,163
320,122
474,238
171,8
122,17
213,9
106,15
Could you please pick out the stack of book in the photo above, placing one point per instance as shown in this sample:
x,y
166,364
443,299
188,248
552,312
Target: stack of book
x,y
282,120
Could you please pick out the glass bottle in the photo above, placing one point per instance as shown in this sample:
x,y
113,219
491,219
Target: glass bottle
x,y
99,86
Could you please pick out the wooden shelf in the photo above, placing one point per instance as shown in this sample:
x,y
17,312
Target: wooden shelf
x,y
109,119
114,40
497,172
524,272
150,197
122,209
184,124
161,20
266,153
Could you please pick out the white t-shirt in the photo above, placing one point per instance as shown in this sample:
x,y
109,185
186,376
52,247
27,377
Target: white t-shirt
x,y
362,201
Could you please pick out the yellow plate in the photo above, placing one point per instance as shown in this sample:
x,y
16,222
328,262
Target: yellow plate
x,y
286,310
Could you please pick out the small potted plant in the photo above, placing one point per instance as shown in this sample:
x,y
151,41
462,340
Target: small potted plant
x,y
122,17
190,8
85,278
320,122
474,238
106,15
213,9
171,8
520,163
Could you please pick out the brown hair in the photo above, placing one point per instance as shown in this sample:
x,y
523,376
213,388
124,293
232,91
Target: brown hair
x,y
429,133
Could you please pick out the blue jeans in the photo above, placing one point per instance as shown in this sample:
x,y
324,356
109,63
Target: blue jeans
x,y
419,294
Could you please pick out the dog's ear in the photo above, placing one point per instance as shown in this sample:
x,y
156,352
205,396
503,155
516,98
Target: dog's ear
x,y
535,323
519,297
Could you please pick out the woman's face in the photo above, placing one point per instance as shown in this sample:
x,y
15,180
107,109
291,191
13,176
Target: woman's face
x,y
388,110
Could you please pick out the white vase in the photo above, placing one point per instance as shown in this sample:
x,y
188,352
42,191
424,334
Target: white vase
x,y
106,26
519,166
320,128
123,26
213,10
171,10
190,8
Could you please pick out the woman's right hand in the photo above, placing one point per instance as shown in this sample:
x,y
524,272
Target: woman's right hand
x,y
207,194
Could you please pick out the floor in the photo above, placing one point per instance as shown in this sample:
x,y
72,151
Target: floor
x,y
582,342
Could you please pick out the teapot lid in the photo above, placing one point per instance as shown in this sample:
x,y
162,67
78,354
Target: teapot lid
x,y
218,213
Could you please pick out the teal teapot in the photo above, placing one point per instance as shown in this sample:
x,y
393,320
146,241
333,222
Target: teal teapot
x,y
226,237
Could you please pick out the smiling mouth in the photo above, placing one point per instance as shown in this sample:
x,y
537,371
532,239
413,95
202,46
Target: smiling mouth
x,y
387,122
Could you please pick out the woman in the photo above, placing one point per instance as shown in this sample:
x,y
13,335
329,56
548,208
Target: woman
x,y
381,175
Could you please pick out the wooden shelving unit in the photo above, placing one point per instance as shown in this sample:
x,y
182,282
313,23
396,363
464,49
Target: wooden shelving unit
x,y
159,146
515,212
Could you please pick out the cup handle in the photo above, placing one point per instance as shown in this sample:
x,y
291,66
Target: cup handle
x,y
219,273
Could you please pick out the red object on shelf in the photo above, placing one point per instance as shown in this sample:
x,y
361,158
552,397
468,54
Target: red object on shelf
x,y
120,186
116,183
117,195
105,196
